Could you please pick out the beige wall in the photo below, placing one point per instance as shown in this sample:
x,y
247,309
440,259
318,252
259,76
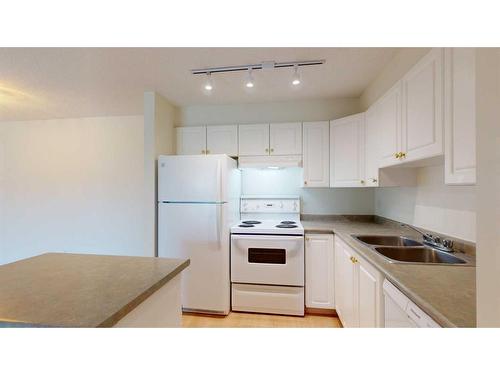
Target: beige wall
x,y
395,70
71,185
306,110
159,139
488,186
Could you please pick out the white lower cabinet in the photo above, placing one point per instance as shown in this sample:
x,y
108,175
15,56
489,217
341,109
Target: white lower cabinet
x,y
358,289
319,258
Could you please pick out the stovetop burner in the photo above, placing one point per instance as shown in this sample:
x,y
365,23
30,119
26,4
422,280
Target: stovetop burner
x,y
246,225
251,222
288,222
286,226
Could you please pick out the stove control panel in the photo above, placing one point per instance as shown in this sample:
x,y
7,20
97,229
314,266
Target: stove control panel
x,y
274,205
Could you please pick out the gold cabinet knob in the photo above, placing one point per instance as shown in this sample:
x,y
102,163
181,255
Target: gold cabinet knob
x,y
267,150
305,182
272,150
396,155
362,181
203,151
208,151
403,154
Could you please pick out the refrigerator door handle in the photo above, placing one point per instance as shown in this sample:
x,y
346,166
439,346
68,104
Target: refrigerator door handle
x,y
219,184
218,222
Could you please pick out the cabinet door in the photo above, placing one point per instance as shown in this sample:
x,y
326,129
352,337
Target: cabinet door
x,y
345,285
369,295
286,139
388,126
316,157
347,152
222,140
460,116
422,130
253,140
319,271
372,158
191,140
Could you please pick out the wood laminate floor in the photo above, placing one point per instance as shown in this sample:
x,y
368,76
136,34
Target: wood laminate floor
x,y
249,320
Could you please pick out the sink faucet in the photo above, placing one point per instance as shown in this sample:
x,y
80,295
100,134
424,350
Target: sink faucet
x,y
433,241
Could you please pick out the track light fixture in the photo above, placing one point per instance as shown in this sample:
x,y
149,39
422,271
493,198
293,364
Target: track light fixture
x,y
267,65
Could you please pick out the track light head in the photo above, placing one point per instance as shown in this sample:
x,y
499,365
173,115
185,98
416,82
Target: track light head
x,y
209,84
249,83
296,76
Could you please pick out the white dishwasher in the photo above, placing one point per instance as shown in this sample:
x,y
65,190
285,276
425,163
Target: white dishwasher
x,y
401,312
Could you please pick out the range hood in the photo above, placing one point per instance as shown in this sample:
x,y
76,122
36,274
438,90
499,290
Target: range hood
x,y
270,162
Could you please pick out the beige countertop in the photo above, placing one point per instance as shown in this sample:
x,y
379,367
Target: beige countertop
x,y
447,293
77,290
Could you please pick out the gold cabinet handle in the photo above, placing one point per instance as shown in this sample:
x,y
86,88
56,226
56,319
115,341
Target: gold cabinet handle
x,y
403,154
396,155
354,260
272,150
374,180
267,150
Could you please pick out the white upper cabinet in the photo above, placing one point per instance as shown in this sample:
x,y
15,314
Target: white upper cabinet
x,y
387,129
222,139
460,116
316,157
319,259
253,140
286,139
191,140
422,124
347,151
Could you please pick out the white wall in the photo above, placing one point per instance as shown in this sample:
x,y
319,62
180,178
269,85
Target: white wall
x,y
73,185
322,201
305,110
432,205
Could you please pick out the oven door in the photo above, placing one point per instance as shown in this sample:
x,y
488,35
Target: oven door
x,y
267,259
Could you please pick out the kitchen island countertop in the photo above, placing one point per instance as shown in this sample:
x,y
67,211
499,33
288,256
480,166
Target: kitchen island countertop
x,y
79,290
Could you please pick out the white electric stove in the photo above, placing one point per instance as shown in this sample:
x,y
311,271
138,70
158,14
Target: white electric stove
x,y
267,256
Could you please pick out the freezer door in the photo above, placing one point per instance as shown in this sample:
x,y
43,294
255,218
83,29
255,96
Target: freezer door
x,y
191,178
198,232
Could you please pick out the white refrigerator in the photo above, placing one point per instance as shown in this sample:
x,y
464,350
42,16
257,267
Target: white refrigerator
x,y
198,202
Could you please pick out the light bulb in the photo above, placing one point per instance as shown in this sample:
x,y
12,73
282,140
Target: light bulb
x,y
296,76
249,83
209,84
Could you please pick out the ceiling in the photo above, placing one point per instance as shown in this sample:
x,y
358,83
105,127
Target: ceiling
x,y
42,83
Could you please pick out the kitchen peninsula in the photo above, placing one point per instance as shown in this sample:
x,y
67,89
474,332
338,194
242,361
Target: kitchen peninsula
x,y
76,290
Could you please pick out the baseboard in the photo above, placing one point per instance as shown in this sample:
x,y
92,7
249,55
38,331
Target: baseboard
x,y
325,312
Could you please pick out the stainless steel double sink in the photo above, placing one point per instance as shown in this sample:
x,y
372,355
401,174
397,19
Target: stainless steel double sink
x,y
398,249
